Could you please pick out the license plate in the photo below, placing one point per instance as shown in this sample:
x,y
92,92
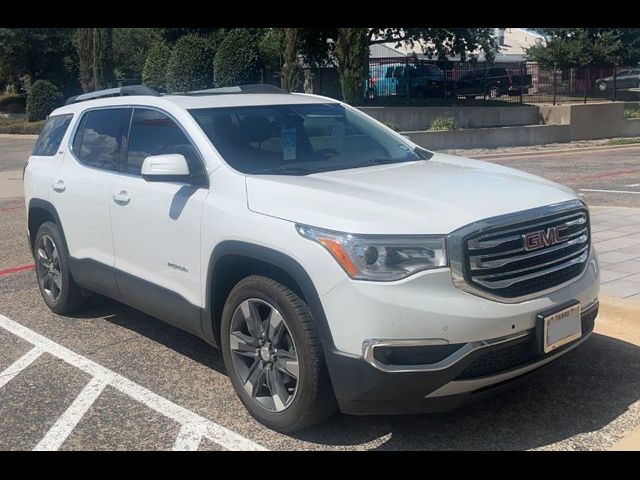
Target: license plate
x,y
561,327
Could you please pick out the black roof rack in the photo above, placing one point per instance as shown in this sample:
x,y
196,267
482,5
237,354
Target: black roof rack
x,y
114,92
252,88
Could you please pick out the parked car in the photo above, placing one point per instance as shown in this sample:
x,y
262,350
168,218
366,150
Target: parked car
x,y
627,78
415,80
334,262
498,82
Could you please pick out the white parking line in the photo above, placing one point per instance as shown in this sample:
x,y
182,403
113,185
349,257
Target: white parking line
x,y
60,430
608,191
216,433
16,367
188,439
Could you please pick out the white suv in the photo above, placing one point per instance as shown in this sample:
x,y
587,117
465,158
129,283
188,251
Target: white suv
x,y
334,262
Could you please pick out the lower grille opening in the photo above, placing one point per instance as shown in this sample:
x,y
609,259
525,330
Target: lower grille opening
x,y
517,354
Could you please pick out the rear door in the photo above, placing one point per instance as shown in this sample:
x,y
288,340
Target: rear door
x,y
156,224
81,191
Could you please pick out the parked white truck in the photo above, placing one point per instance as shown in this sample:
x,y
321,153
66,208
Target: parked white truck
x,y
334,262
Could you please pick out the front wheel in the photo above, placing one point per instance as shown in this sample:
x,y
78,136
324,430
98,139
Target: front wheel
x,y
494,91
273,356
602,86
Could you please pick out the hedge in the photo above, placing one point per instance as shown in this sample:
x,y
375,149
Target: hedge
x,y
190,66
43,98
236,60
13,103
154,73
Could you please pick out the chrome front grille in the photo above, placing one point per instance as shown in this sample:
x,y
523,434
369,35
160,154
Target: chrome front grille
x,y
515,256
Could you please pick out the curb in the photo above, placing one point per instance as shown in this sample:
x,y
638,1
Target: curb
x,y
620,309
556,151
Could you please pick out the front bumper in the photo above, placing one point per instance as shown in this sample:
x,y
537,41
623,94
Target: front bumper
x,y
364,389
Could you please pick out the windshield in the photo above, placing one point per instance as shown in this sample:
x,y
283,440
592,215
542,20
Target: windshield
x,y
300,139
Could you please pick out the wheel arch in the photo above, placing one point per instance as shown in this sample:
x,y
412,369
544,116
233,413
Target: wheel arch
x,y
39,212
231,261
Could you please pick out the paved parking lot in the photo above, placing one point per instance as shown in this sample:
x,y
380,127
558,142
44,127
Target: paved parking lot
x,y
114,378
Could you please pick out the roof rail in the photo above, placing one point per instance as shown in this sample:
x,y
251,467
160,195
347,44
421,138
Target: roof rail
x,y
252,88
114,92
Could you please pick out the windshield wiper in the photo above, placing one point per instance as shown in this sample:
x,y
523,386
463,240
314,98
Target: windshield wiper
x,y
283,170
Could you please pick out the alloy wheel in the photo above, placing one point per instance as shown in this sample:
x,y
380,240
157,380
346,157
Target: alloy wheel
x,y
49,272
264,355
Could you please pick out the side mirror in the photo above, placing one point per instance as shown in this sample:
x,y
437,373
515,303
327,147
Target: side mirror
x,y
171,167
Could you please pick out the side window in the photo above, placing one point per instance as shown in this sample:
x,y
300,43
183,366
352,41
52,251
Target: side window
x,y
52,134
98,141
154,133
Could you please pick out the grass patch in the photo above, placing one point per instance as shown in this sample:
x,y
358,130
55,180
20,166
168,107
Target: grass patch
x,y
444,123
394,101
20,126
623,141
632,113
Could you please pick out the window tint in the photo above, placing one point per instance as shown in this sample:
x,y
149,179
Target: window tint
x,y
98,141
51,135
154,133
299,139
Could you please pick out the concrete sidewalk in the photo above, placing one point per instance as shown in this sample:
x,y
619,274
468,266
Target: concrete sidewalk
x,y
616,237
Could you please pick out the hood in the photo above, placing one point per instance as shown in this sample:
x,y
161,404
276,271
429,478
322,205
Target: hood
x,y
433,196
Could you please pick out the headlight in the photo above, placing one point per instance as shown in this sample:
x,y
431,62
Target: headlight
x,y
380,257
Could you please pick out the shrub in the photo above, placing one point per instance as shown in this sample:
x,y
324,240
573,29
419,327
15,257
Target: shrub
x,y
154,73
190,65
13,103
42,99
392,126
444,123
633,113
236,60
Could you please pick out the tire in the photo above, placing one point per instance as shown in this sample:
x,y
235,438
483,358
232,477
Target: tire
x,y
57,287
419,93
602,86
494,91
372,94
307,403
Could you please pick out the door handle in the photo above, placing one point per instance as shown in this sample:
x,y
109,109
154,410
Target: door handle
x,y
122,198
59,186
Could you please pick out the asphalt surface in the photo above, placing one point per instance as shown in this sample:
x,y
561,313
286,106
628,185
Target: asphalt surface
x,y
154,381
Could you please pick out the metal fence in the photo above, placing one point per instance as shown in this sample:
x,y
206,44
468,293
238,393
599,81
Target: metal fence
x,y
406,80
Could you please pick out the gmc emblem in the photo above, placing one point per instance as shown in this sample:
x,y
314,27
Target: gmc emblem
x,y
544,238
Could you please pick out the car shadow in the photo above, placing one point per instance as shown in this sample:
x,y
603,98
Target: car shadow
x,y
163,333
582,392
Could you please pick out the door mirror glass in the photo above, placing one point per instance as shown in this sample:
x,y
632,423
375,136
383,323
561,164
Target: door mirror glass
x,y
171,167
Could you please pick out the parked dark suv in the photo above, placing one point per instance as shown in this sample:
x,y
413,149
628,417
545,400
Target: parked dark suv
x,y
498,82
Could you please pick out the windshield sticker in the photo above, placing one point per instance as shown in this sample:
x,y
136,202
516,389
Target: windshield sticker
x,y
288,143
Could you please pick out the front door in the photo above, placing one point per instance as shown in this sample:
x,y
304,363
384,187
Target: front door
x,y
156,224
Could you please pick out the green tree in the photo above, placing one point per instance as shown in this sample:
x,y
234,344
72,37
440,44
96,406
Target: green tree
x,y
579,47
84,47
352,54
236,61
190,66
36,53
291,67
42,99
102,57
154,73
131,47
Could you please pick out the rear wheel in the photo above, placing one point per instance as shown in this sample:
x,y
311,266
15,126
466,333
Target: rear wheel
x,y
372,94
273,356
59,291
494,91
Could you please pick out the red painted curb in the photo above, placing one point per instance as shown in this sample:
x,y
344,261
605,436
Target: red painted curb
x,y
21,268
13,207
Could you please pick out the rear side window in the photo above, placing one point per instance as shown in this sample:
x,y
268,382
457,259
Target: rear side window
x,y
51,135
98,141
